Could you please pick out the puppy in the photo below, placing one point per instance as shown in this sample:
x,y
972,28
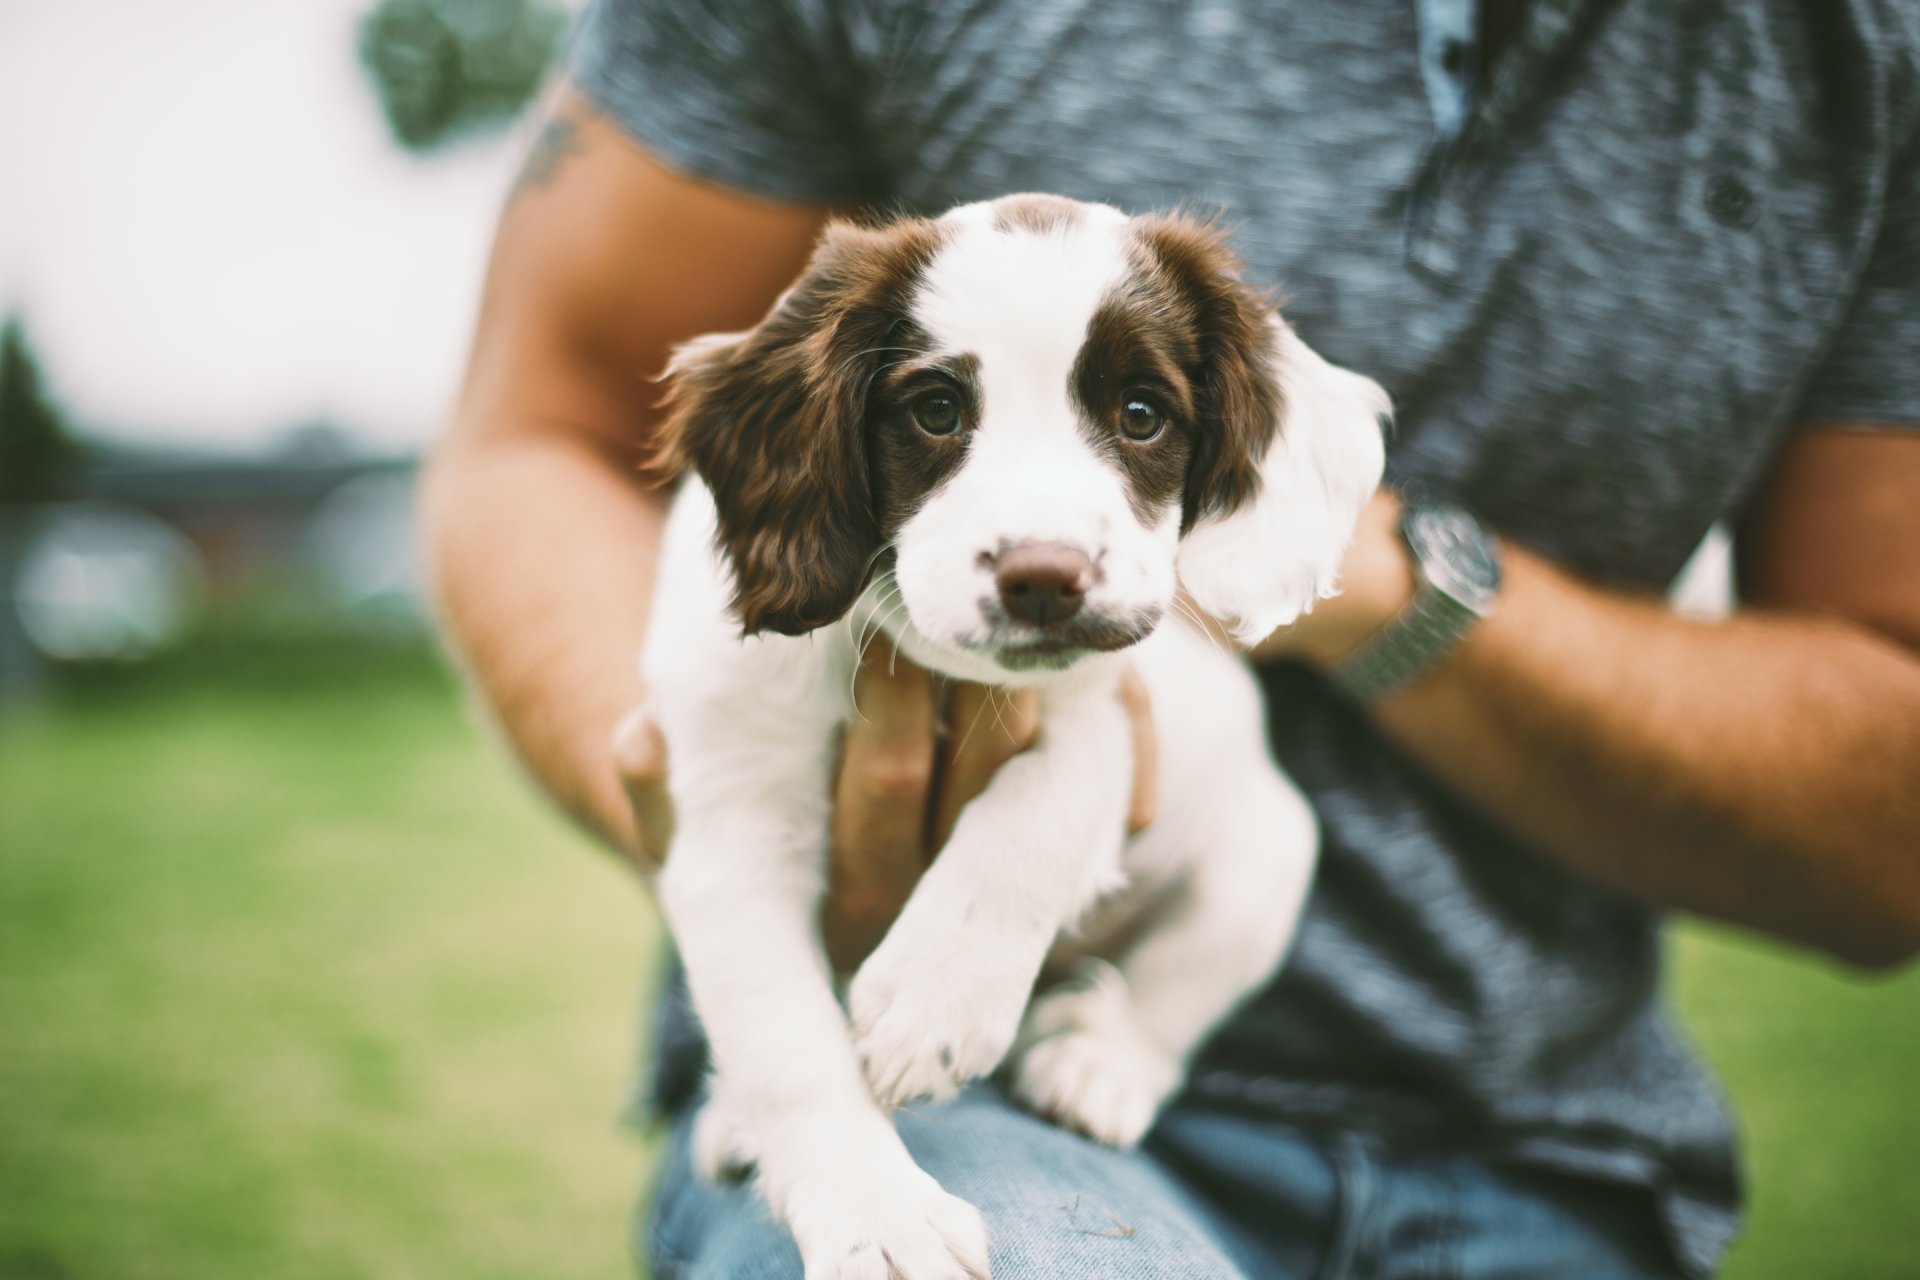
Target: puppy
x,y
1005,438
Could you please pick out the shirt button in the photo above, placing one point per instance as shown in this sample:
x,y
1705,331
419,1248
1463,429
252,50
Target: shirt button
x,y
1732,202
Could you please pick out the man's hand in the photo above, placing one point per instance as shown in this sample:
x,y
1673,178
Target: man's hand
x,y
640,760
1376,582
908,765
916,751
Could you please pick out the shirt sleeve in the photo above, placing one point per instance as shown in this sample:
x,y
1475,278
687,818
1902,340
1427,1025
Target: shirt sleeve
x,y
759,95
1871,376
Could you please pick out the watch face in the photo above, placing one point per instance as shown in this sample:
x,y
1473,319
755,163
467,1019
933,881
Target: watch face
x,y
1456,555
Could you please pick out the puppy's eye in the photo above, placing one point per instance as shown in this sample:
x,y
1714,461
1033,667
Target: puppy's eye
x,y
936,413
1141,419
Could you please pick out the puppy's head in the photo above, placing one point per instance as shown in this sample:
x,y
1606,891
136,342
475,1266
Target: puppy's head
x,y
1033,418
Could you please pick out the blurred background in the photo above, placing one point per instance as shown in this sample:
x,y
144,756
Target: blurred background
x,y
297,978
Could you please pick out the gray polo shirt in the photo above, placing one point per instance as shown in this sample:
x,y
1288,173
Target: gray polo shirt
x,y
1605,275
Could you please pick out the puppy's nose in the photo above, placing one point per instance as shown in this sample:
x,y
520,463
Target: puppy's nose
x,y
1043,582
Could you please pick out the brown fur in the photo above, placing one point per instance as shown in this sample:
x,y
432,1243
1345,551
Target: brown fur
x,y
1036,213
1196,308
1142,340
775,424
908,463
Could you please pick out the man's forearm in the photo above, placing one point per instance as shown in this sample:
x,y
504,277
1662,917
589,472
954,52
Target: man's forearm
x,y
542,553
1764,770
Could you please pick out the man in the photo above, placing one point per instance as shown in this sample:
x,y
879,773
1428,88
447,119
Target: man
x,y
1627,267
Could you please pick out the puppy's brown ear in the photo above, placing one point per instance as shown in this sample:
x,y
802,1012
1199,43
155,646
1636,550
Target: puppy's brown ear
x,y
1236,390
773,421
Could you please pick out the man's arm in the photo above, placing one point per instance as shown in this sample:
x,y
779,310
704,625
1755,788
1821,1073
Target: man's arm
x,y
1763,770
541,532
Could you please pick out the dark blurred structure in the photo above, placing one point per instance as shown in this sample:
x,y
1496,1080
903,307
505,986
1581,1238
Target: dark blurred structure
x,y
444,68
251,520
115,553
39,456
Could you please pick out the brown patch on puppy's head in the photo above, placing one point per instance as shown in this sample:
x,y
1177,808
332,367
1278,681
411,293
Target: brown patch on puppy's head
x,y
906,463
1142,345
773,421
1040,214
1193,307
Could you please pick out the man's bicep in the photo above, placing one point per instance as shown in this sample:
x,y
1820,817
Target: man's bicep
x,y
1836,531
604,259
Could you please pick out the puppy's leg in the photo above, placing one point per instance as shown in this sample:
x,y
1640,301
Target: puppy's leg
x,y
939,1001
1104,1050
722,1145
741,891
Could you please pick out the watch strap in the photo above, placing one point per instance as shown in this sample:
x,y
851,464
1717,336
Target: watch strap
x,y
1418,636
1456,567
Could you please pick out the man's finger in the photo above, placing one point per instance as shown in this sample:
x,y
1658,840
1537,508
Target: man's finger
x,y
985,728
879,803
640,756
1146,752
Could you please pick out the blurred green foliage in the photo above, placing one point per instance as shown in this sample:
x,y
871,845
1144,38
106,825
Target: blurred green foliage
x,y
298,981
38,454
443,68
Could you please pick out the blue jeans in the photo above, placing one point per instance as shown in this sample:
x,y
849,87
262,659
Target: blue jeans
x,y
1212,1195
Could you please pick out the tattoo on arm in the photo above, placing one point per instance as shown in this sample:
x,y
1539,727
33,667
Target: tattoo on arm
x,y
559,139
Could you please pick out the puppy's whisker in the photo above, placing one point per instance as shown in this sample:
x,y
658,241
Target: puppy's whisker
x,y
1000,721
870,630
881,620
864,635
973,724
874,559
1193,615
866,388
892,609
886,619
869,352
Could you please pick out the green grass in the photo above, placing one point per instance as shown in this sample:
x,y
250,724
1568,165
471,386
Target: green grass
x,y
298,981
1824,1073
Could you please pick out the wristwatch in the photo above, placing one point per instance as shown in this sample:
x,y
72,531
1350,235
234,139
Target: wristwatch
x,y
1456,569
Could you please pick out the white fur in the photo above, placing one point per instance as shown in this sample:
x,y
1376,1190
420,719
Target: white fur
x,y
1039,864
1260,568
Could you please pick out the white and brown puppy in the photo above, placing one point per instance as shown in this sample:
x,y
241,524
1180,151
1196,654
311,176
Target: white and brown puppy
x,y
1004,437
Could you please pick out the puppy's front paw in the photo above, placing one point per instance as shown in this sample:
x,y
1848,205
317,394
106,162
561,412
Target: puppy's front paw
x,y
1084,1063
892,1223
924,1023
